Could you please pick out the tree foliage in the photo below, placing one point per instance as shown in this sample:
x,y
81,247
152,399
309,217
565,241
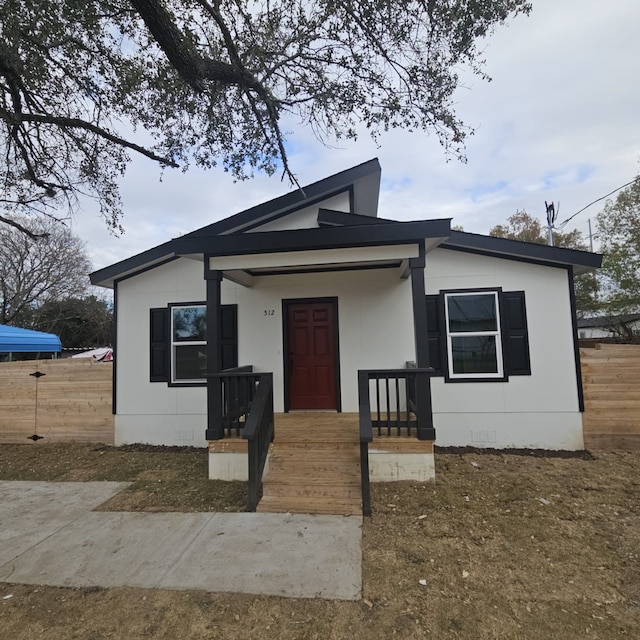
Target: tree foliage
x,y
78,322
50,264
618,228
524,227
86,83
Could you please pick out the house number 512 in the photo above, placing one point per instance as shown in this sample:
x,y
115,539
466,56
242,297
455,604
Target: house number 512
x,y
269,312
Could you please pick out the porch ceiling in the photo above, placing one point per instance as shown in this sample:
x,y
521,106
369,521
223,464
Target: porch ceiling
x,y
244,269
318,260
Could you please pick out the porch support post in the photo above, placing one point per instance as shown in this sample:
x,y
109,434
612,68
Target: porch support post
x,y
424,412
214,353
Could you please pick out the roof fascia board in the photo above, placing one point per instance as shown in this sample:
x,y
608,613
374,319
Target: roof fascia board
x,y
312,239
504,256
132,266
507,248
332,218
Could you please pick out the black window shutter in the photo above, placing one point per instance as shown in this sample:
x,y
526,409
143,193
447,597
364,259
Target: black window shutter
x,y
434,333
516,338
159,339
229,336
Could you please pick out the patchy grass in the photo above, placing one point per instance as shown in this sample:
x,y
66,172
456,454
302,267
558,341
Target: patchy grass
x,y
508,547
162,478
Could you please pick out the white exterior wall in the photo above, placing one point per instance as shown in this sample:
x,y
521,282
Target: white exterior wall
x,y
375,331
153,412
307,218
537,411
374,319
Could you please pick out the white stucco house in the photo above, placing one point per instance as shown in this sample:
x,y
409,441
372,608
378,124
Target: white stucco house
x,y
314,287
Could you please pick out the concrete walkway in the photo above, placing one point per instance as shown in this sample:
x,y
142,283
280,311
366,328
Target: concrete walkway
x,y
50,536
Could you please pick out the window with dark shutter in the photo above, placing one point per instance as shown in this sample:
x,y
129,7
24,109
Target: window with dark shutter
x,y
516,339
462,335
159,345
178,342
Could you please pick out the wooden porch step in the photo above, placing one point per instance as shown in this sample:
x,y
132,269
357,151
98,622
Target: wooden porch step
x,y
289,436
301,445
316,490
314,465
314,505
314,451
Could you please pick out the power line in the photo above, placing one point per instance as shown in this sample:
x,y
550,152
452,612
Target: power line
x,y
598,200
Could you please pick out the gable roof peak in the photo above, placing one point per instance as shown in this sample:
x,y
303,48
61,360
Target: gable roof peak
x,y
361,181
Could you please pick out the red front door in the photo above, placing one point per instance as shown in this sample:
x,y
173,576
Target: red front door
x,y
311,338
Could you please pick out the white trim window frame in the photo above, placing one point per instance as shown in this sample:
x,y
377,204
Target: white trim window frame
x,y
483,336
188,343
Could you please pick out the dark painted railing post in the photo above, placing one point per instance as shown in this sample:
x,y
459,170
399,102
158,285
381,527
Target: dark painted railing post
x,y
259,433
214,356
424,412
364,472
366,436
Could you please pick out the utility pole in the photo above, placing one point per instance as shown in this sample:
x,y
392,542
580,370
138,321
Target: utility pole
x,y
590,237
552,216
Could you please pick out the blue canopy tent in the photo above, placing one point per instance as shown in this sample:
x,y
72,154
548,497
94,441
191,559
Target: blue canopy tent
x,y
15,340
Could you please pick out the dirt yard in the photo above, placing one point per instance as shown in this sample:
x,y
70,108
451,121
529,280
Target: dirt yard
x,y
501,546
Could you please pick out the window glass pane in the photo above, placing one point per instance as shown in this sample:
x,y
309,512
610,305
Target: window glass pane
x,y
475,312
474,354
190,362
189,324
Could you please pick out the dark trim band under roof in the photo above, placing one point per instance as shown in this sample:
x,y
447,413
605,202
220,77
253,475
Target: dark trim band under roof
x,y
518,249
311,239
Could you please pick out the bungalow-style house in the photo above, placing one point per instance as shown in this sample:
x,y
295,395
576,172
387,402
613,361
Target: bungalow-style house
x,y
369,337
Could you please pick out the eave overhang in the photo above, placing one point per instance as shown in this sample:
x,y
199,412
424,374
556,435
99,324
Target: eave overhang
x,y
581,261
107,276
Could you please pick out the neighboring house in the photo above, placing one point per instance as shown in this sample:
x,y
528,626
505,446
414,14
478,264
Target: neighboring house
x,y
620,326
313,287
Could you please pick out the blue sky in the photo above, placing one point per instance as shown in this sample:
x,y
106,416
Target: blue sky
x,y
558,122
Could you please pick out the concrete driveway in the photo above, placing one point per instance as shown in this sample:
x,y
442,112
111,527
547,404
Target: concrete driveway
x,y
50,535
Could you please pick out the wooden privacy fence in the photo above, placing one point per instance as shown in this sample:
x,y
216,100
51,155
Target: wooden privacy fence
x,y
71,402
611,382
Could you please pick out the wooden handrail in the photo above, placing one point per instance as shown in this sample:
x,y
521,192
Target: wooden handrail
x,y
366,436
416,394
259,432
246,368
399,409
235,392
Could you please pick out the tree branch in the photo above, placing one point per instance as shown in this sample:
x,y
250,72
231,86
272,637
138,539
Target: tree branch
x,y
77,123
194,69
22,229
